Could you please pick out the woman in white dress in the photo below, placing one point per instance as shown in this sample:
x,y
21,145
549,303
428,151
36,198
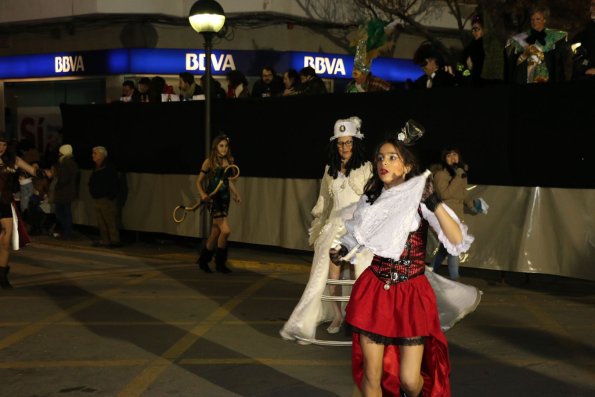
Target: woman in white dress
x,y
345,176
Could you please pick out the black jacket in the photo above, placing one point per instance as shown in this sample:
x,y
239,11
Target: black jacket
x,y
441,79
262,90
313,87
584,58
104,182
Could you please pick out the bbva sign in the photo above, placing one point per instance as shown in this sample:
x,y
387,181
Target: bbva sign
x,y
219,63
66,64
326,65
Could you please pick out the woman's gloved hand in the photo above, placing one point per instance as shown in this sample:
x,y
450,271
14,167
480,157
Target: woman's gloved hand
x,y
337,253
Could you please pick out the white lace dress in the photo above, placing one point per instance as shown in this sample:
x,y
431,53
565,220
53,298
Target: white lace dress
x,y
338,198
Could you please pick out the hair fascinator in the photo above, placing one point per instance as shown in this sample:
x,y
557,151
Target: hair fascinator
x,y
411,132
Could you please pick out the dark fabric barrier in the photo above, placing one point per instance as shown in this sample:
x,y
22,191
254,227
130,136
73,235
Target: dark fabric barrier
x,y
538,135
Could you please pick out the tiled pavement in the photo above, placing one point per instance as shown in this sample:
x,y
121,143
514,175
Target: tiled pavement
x,y
142,320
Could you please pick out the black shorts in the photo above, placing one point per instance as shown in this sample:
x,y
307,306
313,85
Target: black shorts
x,y
5,210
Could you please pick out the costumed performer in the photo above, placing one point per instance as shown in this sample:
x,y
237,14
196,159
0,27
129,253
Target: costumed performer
x,y
212,172
9,163
345,175
398,346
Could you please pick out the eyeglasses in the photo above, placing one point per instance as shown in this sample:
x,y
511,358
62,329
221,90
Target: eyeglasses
x,y
345,144
475,29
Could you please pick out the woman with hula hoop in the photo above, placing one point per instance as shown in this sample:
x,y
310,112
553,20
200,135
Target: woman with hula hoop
x,y
217,172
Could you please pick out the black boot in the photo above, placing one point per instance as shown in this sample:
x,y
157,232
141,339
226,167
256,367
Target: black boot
x,y
221,260
204,258
4,283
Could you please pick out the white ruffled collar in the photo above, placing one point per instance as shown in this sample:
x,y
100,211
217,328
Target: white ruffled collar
x,y
384,226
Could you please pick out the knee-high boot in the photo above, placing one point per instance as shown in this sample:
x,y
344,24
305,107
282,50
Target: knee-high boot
x,y
204,258
221,260
4,283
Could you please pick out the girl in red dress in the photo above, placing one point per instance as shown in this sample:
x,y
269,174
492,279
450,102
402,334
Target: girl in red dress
x,y
398,345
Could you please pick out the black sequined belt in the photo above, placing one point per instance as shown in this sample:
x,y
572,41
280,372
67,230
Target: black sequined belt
x,y
395,271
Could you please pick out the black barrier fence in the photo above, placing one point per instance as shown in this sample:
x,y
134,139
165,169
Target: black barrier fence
x,y
524,135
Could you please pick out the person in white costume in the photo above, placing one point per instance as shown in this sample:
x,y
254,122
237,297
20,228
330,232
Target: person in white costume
x,y
345,175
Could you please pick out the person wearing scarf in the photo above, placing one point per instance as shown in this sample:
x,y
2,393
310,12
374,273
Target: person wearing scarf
x,y
539,54
398,346
67,176
188,87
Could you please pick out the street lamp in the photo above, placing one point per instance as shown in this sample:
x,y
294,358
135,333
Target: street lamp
x,y
207,18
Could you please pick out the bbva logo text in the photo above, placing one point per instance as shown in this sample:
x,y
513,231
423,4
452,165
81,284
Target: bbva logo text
x,y
67,64
219,62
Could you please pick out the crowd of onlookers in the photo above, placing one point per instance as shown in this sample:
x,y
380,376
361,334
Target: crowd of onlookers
x,y
270,84
44,200
537,55
33,191
37,193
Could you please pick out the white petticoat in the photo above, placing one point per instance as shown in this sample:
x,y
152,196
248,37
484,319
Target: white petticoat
x,y
455,300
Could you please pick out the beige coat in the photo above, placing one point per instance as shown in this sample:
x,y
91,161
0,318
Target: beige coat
x,y
453,190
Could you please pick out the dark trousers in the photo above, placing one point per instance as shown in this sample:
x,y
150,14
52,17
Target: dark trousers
x,y
36,218
64,217
107,220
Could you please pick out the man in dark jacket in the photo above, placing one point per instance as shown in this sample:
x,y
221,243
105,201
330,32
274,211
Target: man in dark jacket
x,y
311,84
217,92
269,85
103,186
129,92
432,64
583,46
188,87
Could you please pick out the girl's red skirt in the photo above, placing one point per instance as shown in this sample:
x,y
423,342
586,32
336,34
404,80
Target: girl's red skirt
x,y
407,309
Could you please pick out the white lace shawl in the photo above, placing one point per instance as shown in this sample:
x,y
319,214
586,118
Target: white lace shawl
x,y
384,226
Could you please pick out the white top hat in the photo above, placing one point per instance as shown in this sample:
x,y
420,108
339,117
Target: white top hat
x,y
348,127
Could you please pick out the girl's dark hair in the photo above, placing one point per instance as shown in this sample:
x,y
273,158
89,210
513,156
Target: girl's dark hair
x,y
214,157
444,153
358,157
375,185
236,78
293,75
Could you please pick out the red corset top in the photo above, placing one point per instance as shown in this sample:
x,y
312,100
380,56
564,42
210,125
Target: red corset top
x,y
411,262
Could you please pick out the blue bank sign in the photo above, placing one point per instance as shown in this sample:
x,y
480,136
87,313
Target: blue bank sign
x,y
174,61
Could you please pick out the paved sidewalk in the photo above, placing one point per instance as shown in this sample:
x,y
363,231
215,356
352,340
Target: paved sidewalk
x,y
142,320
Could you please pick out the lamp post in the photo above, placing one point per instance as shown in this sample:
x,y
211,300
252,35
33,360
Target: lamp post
x,y
207,18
